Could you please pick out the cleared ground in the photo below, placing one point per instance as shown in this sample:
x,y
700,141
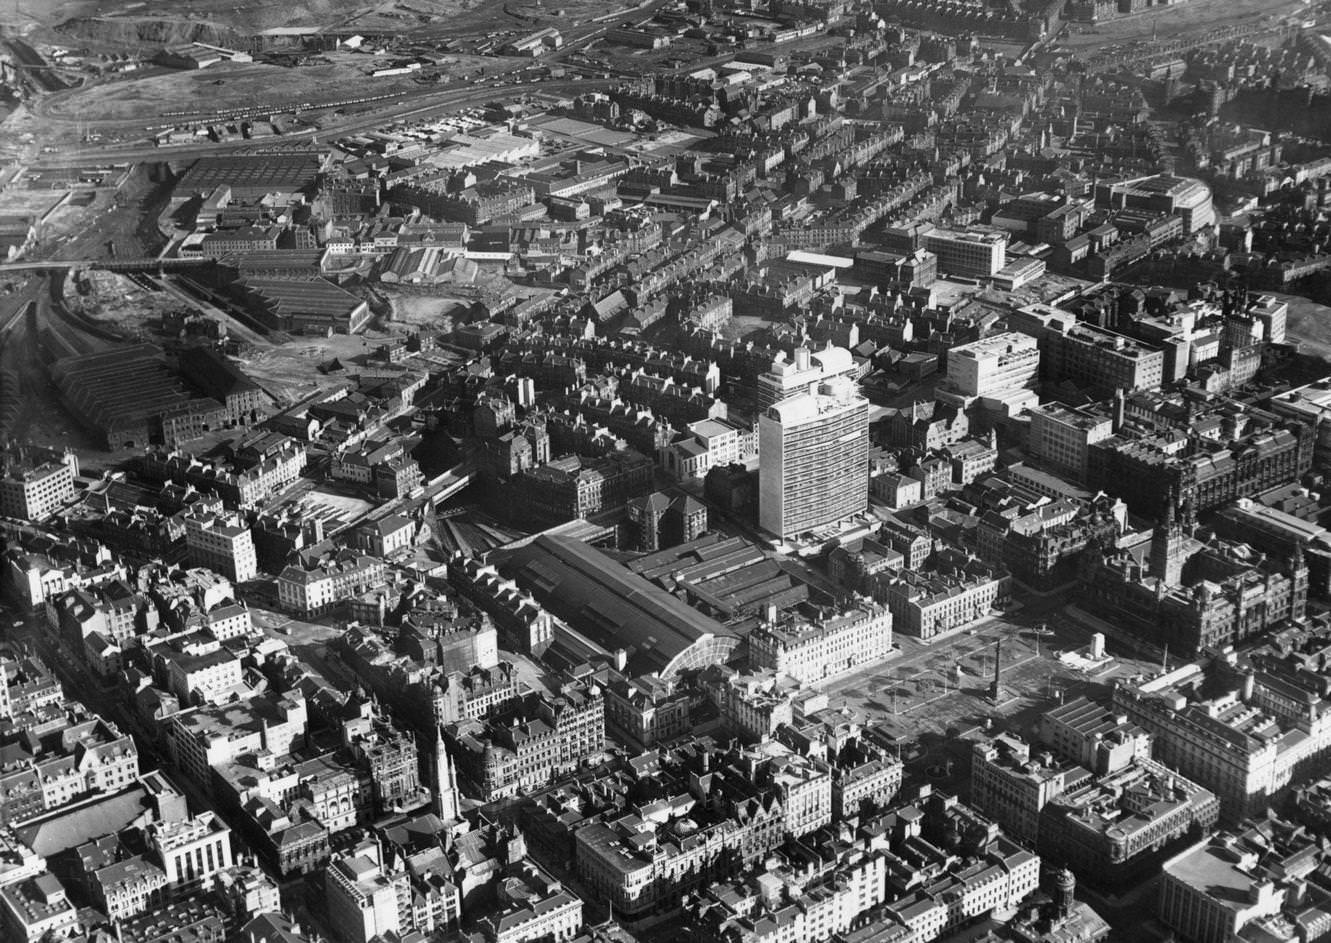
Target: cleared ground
x,y
225,86
1309,324
121,304
1172,22
167,21
426,310
291,370
335,510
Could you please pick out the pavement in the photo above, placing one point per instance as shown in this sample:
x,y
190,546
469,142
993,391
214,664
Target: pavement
x,y
932,688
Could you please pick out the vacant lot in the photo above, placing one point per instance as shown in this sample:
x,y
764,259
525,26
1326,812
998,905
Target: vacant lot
x,y
1309,324
227,86
292,370
1172,22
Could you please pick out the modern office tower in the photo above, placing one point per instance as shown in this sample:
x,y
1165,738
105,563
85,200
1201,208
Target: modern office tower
x,y
813,459
192,851
786,378
1093,356
1246,884
968,254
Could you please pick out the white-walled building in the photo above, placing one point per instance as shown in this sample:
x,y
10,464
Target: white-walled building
x,y
814,459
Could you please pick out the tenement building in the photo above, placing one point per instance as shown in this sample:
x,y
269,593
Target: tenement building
x,y
525,743
913,889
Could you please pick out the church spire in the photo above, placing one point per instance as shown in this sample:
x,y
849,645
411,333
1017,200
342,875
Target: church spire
x,y
447,804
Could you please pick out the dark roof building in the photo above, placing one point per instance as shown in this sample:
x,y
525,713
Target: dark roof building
x,y
616,608
304,305
130,395
252,177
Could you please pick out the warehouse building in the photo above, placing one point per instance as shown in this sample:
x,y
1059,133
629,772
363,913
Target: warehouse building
x,y
616,608
252,177
304,305
129,397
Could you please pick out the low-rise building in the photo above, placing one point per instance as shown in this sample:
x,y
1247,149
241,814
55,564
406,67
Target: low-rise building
x,y
37,909
129,887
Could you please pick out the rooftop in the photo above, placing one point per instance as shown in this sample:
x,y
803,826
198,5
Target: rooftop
x,y
615,607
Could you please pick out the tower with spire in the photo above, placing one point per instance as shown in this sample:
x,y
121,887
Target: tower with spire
x,y
447,804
